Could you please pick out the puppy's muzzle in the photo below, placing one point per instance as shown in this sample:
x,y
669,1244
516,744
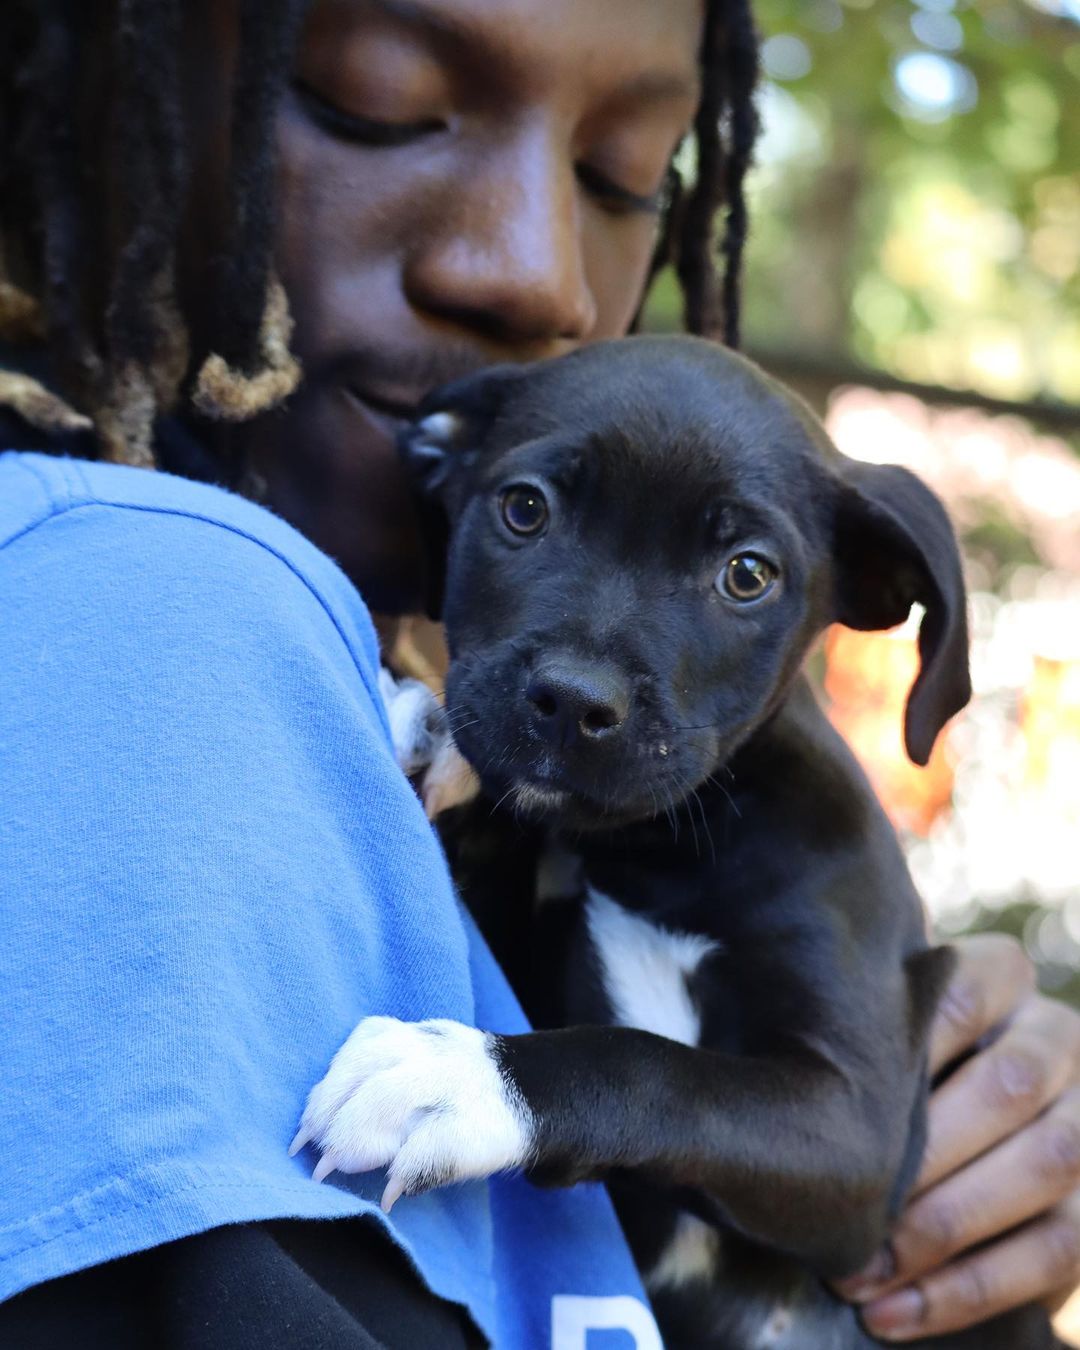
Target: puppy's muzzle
x,y
576,703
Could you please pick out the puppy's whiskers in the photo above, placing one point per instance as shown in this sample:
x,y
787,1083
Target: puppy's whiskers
x,y
713,781
693,827
696,798
672,809
655,801
508,793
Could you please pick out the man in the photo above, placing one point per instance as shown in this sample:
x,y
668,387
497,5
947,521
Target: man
x,y
455,182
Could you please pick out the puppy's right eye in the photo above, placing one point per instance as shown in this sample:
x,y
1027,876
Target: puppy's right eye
x,y
747,577
524,510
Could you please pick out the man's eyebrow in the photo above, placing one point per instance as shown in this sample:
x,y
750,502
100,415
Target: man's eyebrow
x,y
657,86
429,19
662,86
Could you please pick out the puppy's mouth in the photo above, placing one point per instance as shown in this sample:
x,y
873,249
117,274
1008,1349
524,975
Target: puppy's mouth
x,y
579,787
538,790
542,794
562,807
531,800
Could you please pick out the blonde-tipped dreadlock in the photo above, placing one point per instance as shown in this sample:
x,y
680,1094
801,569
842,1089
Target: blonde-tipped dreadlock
x,y
120,361
138,391
221,391
36,405
21,319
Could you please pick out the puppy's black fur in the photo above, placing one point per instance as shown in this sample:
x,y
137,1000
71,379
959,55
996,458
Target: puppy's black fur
x,y
612,680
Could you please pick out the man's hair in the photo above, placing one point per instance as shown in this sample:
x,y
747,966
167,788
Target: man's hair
x,y
119,343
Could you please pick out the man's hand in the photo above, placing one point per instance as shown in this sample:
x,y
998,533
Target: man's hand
x,y
994,1219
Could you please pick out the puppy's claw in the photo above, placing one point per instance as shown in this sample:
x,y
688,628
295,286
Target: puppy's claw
x,y
302,1138
394,1190
426,1099
324,1167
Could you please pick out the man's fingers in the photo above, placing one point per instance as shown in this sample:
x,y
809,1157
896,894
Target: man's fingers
x,y
993,975
1003,1157
1028,1175
1001,1089
1022,1268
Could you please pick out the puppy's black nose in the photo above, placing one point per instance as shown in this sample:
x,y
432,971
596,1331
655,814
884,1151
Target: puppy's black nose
x,y
577,701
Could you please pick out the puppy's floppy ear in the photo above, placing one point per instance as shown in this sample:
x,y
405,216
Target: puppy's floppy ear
x,y
430,447
450,429
440,446
894,548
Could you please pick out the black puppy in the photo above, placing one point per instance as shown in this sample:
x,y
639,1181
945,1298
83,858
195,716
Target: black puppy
x,y
645,538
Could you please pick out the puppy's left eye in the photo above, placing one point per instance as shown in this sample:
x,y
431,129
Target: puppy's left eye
x,y
748,576
524,509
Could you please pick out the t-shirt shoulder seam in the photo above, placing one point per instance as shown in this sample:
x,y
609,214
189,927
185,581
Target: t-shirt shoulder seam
x,y
68,506
56,497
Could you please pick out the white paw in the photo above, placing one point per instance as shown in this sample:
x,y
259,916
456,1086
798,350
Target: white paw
x,y
417,721
425,1099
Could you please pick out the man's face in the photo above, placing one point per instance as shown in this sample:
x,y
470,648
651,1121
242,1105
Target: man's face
x,y
462,182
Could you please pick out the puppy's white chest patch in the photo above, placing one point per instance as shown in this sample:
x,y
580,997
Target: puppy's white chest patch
x,y
645,969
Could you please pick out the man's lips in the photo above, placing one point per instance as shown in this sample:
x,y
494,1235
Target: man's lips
x,y
392,413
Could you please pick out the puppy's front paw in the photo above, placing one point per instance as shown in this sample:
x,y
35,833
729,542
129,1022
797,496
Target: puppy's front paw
x,y
425,1099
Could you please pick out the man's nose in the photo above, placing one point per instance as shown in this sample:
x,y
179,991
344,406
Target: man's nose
x,y
576,702
505,259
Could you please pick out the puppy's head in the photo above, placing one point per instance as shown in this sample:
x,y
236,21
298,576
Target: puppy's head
x,y
645,537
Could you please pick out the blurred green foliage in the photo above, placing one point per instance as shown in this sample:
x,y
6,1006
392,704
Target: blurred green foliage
x,y
915,209
1045,934
916,203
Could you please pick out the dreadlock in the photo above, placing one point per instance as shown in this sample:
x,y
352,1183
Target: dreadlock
x,y
122,357
725,129
253,317
120,346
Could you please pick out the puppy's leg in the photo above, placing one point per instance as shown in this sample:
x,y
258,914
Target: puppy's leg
x,y
790,1150
785,1148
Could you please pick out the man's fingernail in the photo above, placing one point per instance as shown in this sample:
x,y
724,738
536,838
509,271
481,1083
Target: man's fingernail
x,y
877,1272
897,1313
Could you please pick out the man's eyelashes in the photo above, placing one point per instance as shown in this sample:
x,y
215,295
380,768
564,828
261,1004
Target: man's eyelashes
x,y
381,134
615,196
347,126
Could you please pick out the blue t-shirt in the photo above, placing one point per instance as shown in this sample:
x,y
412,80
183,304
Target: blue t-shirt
x,y
211,870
